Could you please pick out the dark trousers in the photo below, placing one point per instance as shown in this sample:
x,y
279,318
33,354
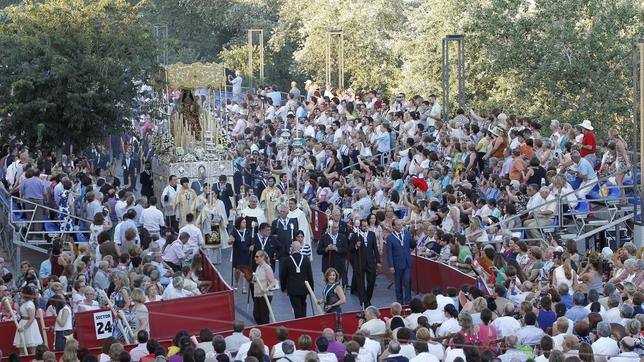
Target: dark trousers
x,y
60,340
174,266
38,216
402,278
366,281
260,310
298,302
172,223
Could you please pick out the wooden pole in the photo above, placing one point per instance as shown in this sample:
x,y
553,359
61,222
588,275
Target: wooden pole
x,y
268,303
43,328
118,316
22,333
317,305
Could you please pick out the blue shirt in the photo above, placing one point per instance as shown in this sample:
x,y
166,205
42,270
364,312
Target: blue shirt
x,y
577,313
33,188
586,169
567,300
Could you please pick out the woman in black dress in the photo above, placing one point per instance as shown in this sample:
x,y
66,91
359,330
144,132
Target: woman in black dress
x,y
240,238
333,296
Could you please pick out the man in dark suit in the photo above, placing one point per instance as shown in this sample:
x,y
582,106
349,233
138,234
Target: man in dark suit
x,y
333,248
129,171
283,184
399,246
366,261
225,191
147,182
294,271
283,229
263,241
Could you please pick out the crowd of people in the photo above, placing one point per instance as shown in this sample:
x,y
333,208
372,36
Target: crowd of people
x,y
363,182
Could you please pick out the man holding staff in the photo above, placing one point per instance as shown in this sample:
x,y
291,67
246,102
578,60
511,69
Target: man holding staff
x,y
295,270
365,255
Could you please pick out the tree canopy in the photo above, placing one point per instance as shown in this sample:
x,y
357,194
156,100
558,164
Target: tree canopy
x,y
68,69
68,66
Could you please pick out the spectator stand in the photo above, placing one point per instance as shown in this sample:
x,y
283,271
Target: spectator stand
x,y
21,227
602,211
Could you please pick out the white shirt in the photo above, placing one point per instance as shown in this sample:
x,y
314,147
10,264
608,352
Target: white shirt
x,y
442,301
174,253
237,84
434,316
407,350
169,206
449,326
383,141
626,357
506,326
412,320
117,233
424,357
452,353
171,293
119,209
152,219
606,346
196,238
557,341
235,340
529,335
327,357
612,315
139,351
436,349
372,346
375,327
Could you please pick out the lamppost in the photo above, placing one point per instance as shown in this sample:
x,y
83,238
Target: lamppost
x,y
260,33
639,225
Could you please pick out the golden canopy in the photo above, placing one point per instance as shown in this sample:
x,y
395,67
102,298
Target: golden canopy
x,y
195,75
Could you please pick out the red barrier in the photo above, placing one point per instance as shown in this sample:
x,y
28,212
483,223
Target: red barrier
x,y
9,331
312,326
213,310
428,274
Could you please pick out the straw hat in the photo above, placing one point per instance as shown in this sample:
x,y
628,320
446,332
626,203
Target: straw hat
x,y
587,125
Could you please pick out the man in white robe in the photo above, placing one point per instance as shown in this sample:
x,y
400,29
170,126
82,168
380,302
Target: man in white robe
x,y
253,212
302,222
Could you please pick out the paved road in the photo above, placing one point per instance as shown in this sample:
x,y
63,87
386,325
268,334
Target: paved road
x,y
382,296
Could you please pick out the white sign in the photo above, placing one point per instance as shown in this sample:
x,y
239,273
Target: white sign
x,y
103,324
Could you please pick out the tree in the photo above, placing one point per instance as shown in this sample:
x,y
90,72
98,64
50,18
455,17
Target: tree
x,y
563,59
68,68
370,28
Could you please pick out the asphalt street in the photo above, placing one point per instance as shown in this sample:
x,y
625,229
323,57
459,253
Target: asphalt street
x,y
382,296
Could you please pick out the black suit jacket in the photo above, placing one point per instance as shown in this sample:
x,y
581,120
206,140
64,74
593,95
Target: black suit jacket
x,y
339,257
129,173
147,183
368,256
284,236
290,280
225,194
271,248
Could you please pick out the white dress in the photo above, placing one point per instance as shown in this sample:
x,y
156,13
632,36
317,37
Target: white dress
x,y
32,334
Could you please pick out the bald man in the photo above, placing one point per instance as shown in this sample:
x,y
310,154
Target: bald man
x,y
294,271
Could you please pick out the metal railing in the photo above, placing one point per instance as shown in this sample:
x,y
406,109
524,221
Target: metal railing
x,y
21,227
616,213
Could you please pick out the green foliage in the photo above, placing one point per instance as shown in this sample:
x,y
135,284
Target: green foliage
x,y
69,69
370,28
569,60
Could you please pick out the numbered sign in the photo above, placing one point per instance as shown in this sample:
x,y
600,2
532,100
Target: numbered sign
x,y
103,324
